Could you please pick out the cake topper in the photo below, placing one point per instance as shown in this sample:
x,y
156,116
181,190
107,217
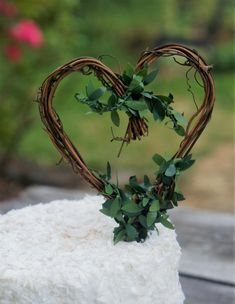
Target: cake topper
x,y
137,208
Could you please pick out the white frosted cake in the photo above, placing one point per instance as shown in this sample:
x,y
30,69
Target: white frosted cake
x,y
62,253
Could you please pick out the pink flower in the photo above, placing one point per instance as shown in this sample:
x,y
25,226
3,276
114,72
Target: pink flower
x,y
27,31
13,52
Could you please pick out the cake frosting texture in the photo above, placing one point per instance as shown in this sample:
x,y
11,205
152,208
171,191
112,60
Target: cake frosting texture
x,y
62,253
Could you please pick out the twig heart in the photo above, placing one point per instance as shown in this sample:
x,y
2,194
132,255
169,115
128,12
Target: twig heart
x,y
143,204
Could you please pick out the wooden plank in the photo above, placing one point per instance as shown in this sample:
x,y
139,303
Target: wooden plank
x,y
40,194
201,292
207,242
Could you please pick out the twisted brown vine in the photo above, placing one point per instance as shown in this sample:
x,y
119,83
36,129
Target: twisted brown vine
x,y
137,127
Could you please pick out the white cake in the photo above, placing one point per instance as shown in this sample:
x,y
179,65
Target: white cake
x,y
62,253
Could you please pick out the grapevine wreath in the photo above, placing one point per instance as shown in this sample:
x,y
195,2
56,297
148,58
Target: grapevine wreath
x,y
137,208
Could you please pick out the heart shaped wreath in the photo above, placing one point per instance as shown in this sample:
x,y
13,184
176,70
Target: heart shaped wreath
x,y
141,205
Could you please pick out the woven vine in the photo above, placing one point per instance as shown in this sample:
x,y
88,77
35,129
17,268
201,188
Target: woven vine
x,y
151,200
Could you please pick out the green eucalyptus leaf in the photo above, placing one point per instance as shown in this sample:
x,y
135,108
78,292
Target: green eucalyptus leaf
x,y
149,104
97,93
129,71
179,130
151,217
89,89
171,170
123,195
132,208
147,95
167,180
80,97
115,207
115,118
150,77
158,110
143,221
136,86
157,113
126,80
136,105
137,78
181,120
108,189
167,100
132,112
133,180
185,164
147,182
135,186
119,236
129,189
131,232
179,196
112,101
131,220
164,166
107,204
143,113
164,221
145,201
174,201
155,206
143,72
171,97
105,211
158,159
119,217
187,157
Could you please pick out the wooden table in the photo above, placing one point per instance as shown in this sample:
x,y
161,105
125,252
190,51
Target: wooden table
x,y
207,268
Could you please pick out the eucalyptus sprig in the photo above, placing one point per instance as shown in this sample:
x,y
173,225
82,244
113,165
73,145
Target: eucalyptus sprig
x,y
136,102
139,207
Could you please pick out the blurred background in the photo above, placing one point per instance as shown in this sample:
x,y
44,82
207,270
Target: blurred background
x,y
39,36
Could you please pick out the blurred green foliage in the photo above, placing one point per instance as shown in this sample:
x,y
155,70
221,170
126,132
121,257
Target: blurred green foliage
x,y
122,29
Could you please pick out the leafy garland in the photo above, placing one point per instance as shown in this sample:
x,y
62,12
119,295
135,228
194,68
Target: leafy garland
x,y
136,102
137,209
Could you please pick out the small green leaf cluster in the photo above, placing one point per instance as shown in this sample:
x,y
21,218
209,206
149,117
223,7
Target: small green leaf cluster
x,y
140,207
137,101
167,174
